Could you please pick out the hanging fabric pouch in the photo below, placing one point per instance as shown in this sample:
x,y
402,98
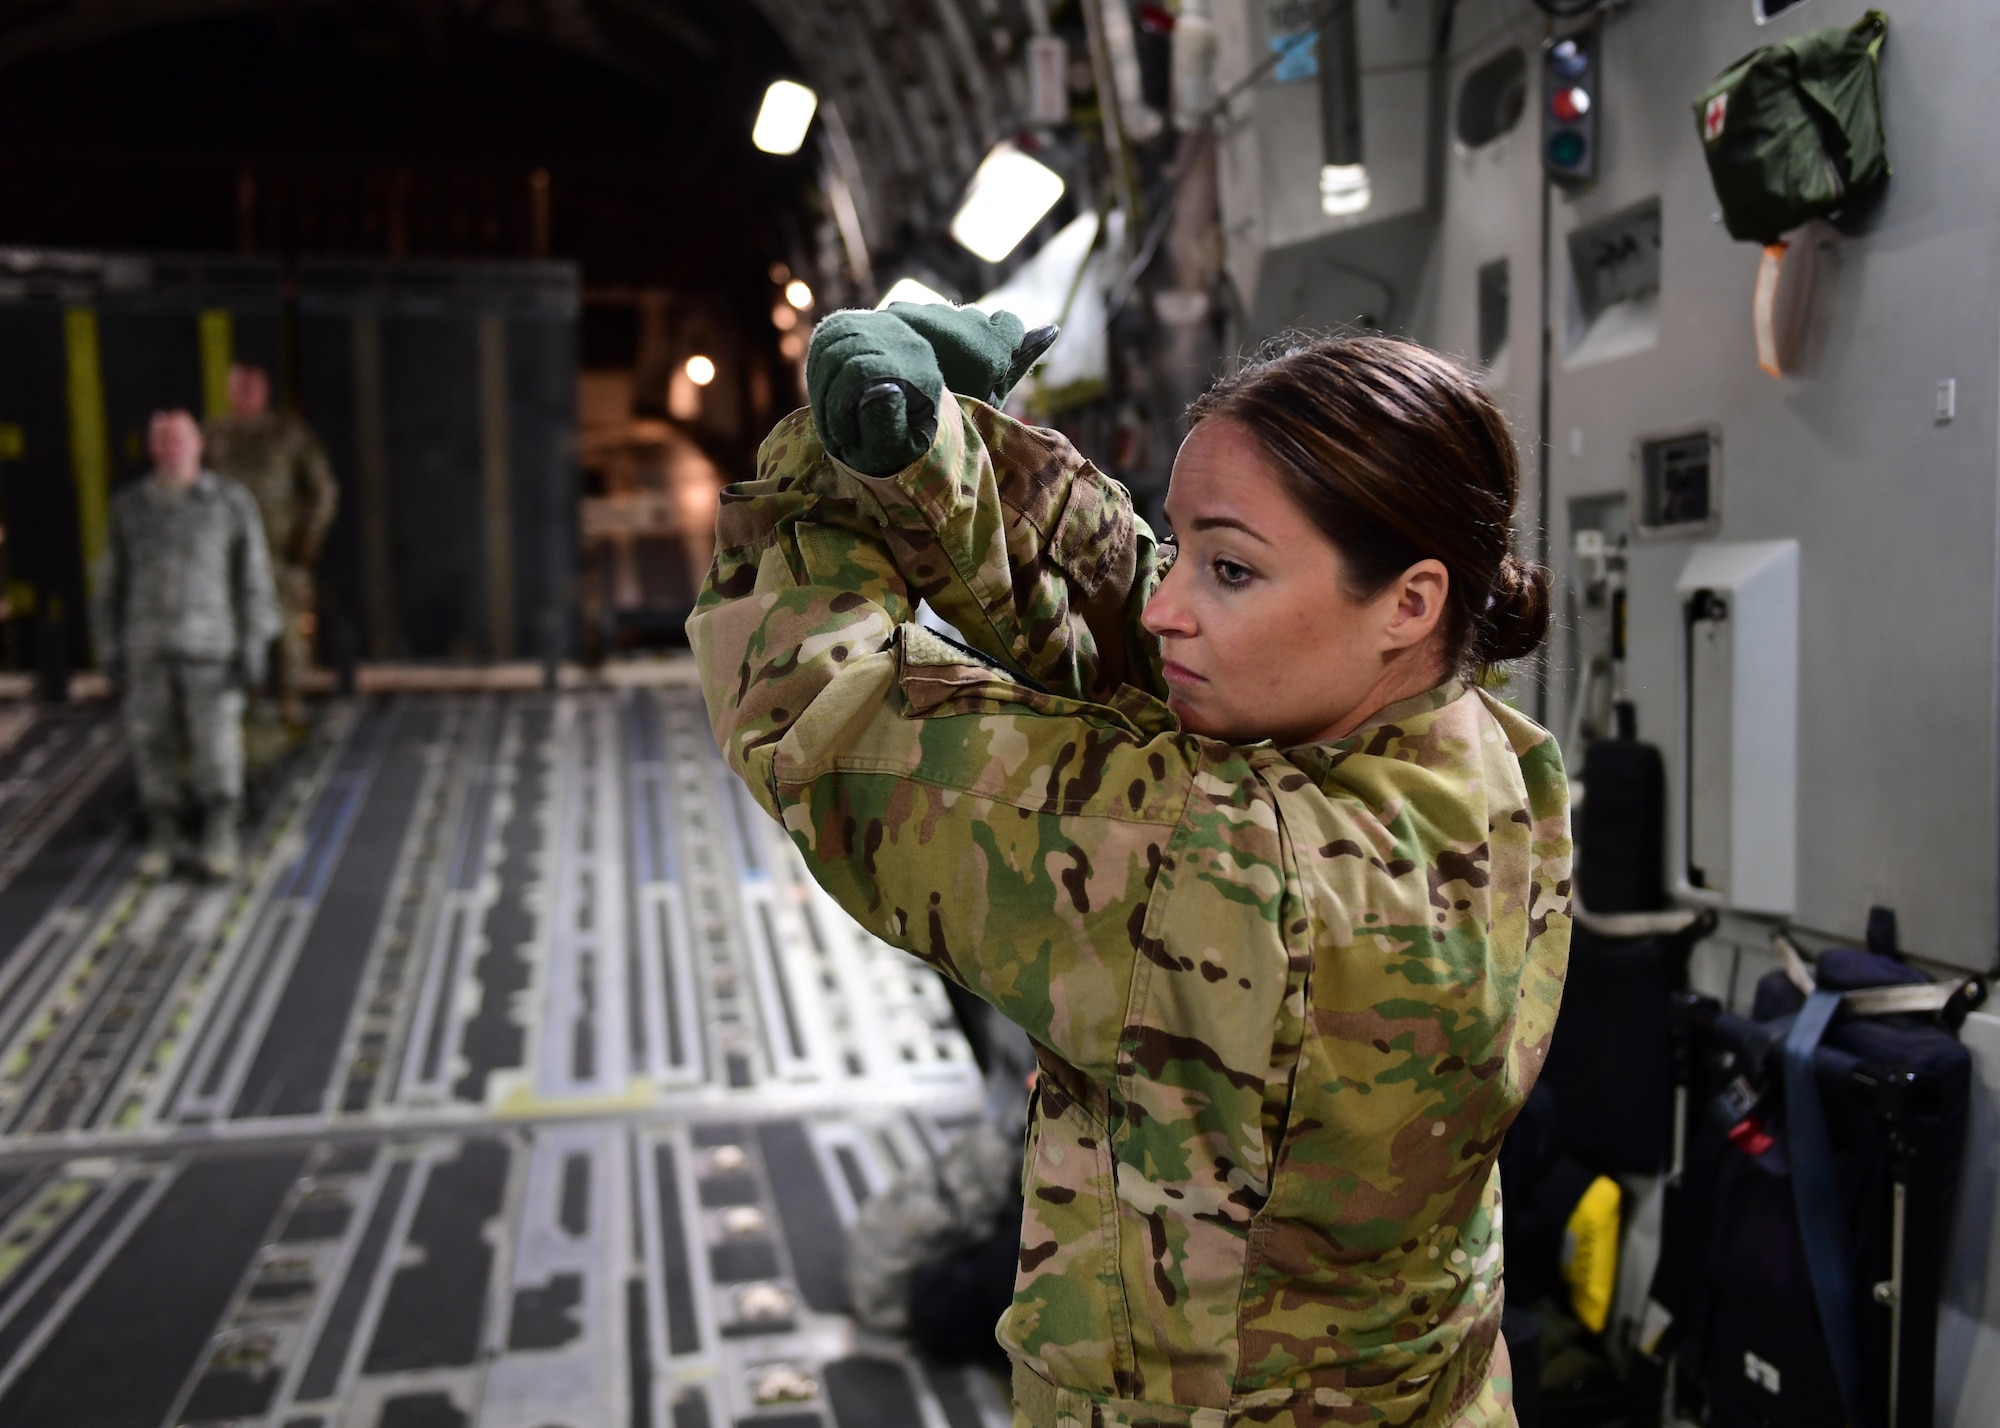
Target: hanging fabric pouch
x,y
1793,131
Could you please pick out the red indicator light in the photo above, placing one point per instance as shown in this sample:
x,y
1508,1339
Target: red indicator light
x,y
1569,105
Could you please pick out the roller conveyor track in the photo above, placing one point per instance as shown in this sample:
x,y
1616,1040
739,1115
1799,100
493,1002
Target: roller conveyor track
x,y
523,1080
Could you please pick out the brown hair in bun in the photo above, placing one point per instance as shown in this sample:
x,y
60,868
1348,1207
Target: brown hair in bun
x,y
1398,455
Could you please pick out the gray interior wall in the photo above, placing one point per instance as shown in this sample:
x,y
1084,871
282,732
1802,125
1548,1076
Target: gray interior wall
x,y
1895,514
1488,203
1291,264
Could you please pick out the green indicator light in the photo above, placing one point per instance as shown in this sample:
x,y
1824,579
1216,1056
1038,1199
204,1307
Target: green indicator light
x,y
1566,149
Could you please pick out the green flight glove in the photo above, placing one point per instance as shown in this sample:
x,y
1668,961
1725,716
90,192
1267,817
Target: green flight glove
x,y
874,386
980,356
875,378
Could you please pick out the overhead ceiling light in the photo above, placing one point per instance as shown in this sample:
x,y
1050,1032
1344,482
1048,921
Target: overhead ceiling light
x,y
1344,189
786,114
910,290
1008,196
798,294
700,370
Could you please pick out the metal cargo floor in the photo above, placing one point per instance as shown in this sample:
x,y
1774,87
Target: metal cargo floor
x,y
524,1080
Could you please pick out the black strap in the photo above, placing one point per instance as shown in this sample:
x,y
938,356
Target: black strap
x,y
1816,1192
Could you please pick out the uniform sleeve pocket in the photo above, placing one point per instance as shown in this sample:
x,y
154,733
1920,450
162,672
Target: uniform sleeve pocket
x,y
1092,540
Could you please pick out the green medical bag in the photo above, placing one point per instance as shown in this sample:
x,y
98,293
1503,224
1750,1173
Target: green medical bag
x,y
1793,131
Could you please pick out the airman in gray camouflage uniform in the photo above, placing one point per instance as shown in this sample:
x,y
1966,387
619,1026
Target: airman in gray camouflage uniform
x,y
277,459
184,611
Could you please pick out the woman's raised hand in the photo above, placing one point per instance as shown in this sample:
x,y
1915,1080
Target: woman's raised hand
x,y
875,386
875,378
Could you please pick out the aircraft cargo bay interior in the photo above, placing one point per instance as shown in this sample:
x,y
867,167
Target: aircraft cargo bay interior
x,y
859,713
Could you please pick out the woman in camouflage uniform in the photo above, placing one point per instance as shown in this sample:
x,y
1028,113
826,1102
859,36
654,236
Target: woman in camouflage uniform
x,y
1285,911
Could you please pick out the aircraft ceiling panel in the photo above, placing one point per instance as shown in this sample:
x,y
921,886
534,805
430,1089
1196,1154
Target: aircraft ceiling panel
x,y
921,88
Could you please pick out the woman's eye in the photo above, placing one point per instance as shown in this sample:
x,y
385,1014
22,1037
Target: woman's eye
x,y
1230,574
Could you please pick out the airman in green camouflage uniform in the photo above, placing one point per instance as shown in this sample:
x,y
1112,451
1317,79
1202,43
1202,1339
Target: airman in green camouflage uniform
x,y
276,457
1286,1001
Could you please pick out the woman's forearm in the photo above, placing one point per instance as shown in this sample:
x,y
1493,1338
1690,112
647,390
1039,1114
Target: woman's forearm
x,y
918,784
1031,552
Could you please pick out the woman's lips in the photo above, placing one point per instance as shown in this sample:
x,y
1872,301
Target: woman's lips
x,y
1179,674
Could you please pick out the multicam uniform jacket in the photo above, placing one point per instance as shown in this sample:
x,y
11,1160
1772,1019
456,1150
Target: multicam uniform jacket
x,y
276,458
1286,1001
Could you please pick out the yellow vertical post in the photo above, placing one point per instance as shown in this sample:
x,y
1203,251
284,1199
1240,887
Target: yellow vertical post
x,y
218,351
89,435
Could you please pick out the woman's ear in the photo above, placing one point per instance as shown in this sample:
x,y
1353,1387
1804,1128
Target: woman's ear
x,y
1416,605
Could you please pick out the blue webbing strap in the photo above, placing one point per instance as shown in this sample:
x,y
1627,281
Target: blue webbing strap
x,y
1816,1192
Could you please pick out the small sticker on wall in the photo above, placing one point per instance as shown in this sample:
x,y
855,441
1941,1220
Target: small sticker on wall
x,y
1296,55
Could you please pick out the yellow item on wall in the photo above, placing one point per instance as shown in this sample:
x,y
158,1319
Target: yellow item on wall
x,y
1590,1253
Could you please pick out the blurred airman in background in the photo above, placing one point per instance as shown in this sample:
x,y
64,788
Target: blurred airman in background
x,y
275,456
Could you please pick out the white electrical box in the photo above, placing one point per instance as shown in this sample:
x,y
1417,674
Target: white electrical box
x,y
1740,730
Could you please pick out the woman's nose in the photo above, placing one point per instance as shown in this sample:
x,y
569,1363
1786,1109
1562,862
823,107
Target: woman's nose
x,y
1165,614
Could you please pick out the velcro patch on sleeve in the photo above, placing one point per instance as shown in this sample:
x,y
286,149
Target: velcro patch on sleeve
x,y
925,647
935,671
